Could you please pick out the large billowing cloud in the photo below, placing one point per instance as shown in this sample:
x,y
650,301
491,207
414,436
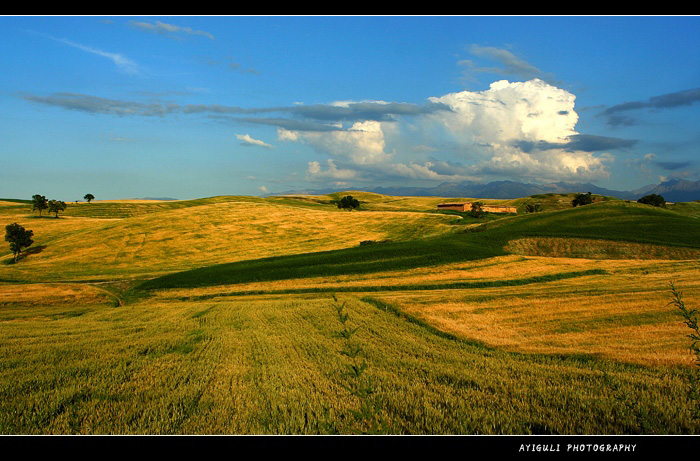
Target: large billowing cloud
x,y
523,130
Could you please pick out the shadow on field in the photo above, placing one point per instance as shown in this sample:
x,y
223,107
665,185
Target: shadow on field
x,y
25,253
356,260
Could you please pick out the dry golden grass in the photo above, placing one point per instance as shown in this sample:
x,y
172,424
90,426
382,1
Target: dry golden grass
x,y
203,235
274,366
623,316
491,269
72,362
128,200
50,294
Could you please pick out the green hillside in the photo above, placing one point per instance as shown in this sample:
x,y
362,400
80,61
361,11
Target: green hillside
x,y
615,220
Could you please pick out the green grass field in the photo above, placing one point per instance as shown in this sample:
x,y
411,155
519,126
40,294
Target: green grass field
x,y
216,316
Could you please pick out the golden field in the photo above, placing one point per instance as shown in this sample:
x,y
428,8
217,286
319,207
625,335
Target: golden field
x,y
492,345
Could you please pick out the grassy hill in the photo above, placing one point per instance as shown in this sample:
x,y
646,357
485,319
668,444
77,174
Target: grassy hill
x,y
137,239
606,221
217,316
374,202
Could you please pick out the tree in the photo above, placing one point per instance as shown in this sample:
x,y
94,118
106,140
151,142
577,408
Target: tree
x,y
39,202
582,199
533,208
89,197
19,238
477,209
56,205
348,203
653,200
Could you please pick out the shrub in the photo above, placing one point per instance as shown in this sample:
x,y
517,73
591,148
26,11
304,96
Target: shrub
x,y
477,209
582,199
374,242
653,200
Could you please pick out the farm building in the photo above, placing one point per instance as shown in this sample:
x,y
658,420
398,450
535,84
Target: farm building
x,y
467,206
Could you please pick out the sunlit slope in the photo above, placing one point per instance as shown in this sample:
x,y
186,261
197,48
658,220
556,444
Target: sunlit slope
x,y
194,236
115,209
608,221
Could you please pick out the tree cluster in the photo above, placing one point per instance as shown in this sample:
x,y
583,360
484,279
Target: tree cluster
x,y
348,203
653,200
582,199
533,208
40,202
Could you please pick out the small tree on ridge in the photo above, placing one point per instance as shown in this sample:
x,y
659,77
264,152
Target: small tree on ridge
x,y
56,205
39,202
348,203
582,199
653,200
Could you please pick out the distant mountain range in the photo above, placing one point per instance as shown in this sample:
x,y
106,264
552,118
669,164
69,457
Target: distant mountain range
x,y
676,190
164,199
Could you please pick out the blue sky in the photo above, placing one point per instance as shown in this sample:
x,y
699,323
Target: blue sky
x,y
197,106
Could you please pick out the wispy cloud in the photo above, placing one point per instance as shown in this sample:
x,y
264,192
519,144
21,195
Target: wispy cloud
x,y
318,117
578,142
510,64
673,165
97,105
168,29
124,64
618,115
247,140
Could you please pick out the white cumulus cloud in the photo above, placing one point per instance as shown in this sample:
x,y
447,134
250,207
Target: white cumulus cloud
x,y
492,126
521,130
362,144
315,171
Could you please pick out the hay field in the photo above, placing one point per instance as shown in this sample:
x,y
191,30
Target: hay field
x,y
270,365
623,315
495,330
619,313
160,241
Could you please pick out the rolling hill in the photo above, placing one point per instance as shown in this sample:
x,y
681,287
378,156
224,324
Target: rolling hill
x,y
611,221
286,315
